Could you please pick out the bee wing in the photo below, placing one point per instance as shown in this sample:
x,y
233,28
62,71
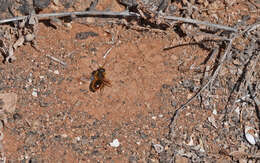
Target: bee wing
x,y
91,86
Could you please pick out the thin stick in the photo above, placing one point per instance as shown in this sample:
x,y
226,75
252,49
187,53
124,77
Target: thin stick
x,y
205,86
193,21
252,27
257,102
78,13
57,60
107,52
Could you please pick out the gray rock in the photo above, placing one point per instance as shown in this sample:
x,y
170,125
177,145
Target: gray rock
x,y
41,4
154,5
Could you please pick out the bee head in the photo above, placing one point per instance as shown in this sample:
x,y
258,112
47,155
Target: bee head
x,y
101,69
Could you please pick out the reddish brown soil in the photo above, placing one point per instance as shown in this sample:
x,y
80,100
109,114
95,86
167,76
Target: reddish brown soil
x,y
68,123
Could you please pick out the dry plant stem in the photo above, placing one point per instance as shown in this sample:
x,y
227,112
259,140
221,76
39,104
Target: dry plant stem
x,y
57,60
242,98
117,14
107,52
78,13
252,27
212,36
192,21
255,61
256,101
205,86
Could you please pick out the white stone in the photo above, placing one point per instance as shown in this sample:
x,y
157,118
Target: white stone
x,y
250,139
34,93
215,112
56,72
77,138
115,143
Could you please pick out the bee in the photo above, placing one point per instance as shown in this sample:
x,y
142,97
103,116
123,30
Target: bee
x,y
98,80
98,77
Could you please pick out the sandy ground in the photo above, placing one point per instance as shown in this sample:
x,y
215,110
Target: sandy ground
x,y
58,119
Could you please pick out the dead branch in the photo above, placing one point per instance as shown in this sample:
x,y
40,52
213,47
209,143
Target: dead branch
x,y
116,14
72,14
193,21
56,60
233,37
205,86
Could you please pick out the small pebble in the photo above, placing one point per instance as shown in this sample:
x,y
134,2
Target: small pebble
x,y
34,93
158,148
68,25
250,136
215,112
160,115
30,80
115,143
78,138
250,139
56,72
29,37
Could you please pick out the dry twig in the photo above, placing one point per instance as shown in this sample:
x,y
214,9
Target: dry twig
x,y
247,30
117,14
193,21
107,52
205,86
57,60
72,14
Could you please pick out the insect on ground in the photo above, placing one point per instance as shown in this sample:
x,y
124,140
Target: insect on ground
x,y
98,78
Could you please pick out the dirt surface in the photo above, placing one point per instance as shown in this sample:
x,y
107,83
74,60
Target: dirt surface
x,y
58,119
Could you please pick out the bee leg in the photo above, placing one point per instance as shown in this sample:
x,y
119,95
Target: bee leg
x,y
107,83
102,89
